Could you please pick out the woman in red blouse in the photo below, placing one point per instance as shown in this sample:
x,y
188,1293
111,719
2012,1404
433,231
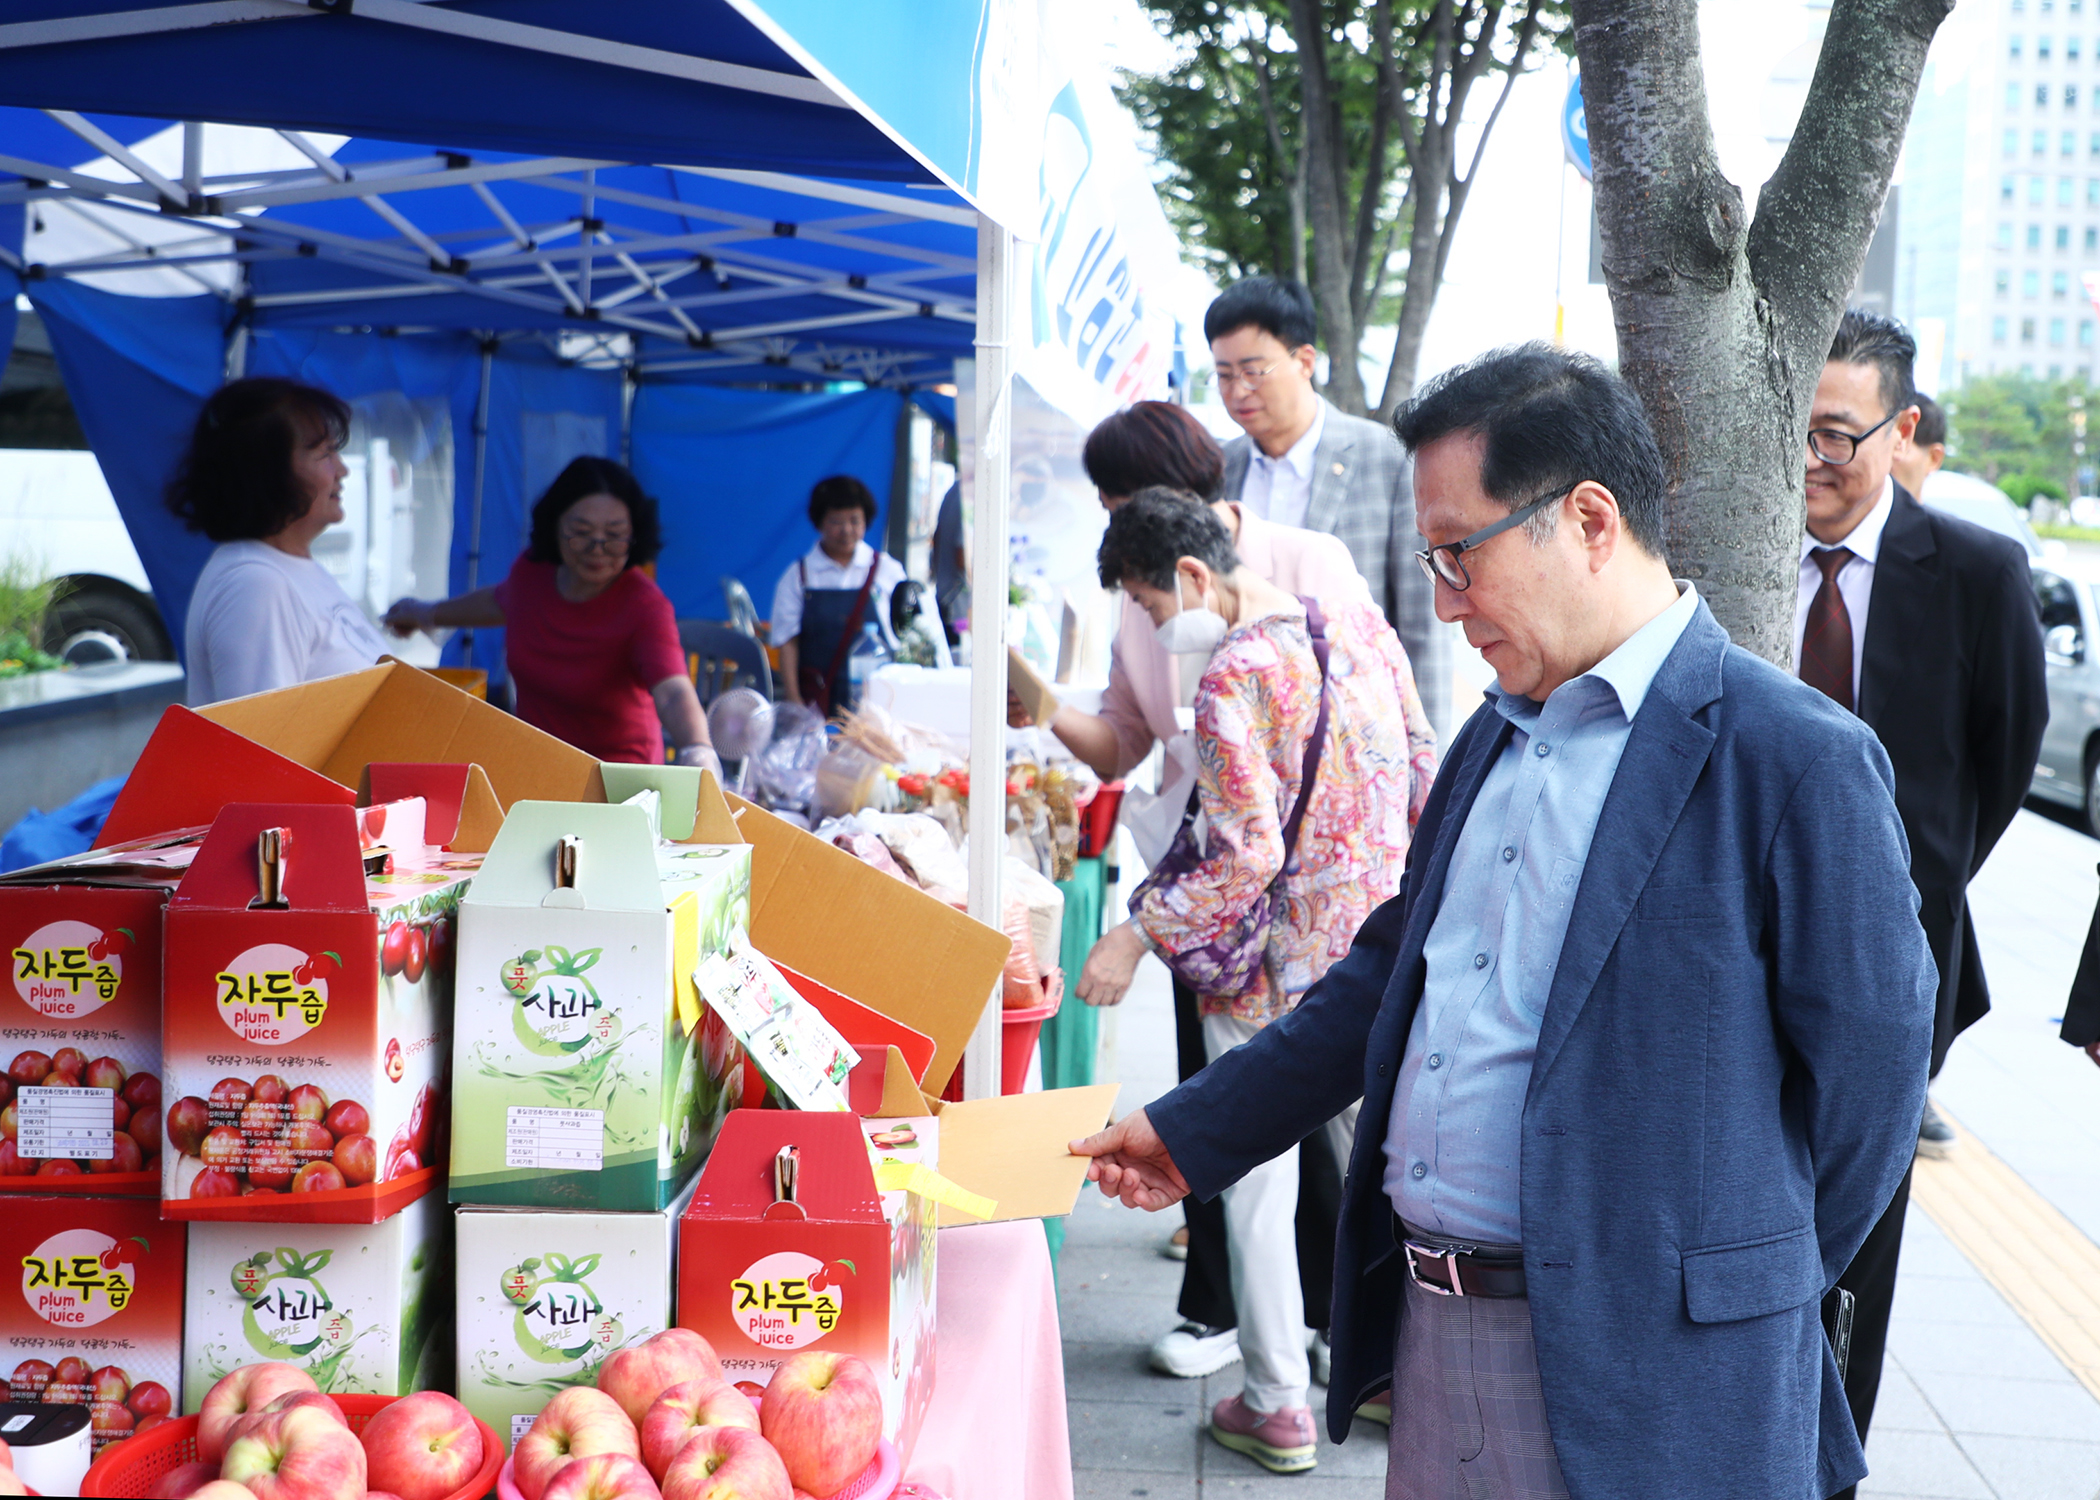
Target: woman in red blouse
x,y
591,640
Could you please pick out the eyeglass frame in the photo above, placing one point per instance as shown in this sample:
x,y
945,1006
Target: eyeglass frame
x,y
592,541
1854,440
1251,379
1466,544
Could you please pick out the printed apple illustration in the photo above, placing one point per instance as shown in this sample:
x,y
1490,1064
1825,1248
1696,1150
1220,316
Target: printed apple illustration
x,y
517,976
142,1091
145,1129
357,1158
149,1398
684,1409
309,1103
577,1423
270,1089
69,1060
393,949
189,1121
214,1182
29,1069
347,1117
104,1073
317,1177
395,1066
124,1156
823,1412
30,1378
422,1447
727,1461
238,1392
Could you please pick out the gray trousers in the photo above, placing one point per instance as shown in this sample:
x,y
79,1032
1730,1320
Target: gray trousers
x,y
1469,1422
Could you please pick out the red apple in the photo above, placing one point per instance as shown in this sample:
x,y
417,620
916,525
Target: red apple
x,y
124,1156
229,1094
309,1103
727,1463
247,1422
297,1455
69,1060
59,1168
317,1177
149,1398
577,1423
184,1480
29,1069
422,1447
602,1476
347,1117
357,1158
823,1411
246,1389
636,1376
223,1489
224,1149
142,1091
214,1183
29,1379
145,1128
104,1073
270,1089
189,1121
683,1410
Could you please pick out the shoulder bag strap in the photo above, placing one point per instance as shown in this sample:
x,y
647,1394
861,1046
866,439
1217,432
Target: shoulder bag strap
x,y
1316,626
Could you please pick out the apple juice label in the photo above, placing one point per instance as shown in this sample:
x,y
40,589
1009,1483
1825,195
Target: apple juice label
x,y
77,1123
794,1046
565,1140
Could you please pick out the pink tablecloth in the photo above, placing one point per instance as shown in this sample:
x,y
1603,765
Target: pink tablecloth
x,y
996,1429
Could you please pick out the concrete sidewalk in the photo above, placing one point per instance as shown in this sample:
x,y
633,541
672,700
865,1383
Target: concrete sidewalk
x,y
1974,1405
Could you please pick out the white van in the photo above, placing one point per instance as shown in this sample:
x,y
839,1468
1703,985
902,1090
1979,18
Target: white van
x,y
56,511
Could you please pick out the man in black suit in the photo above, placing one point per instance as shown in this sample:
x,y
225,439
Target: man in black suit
x,y
1926,628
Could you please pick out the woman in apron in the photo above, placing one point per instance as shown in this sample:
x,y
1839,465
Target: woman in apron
x,y
832,592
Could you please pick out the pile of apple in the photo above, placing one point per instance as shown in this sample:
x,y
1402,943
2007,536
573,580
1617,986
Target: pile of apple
x,y
271,1137
116,1407
266,1432
134,1109
663,1424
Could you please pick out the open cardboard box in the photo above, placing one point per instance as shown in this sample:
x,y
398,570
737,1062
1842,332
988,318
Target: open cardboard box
x,y
839,928
319,741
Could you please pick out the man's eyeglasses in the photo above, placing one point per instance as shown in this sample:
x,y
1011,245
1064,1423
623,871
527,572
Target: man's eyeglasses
x,y
1442,563
1228,377
591,541
1837,448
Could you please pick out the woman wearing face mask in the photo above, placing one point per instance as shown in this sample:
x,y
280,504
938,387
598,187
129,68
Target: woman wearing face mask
x,y
1314,758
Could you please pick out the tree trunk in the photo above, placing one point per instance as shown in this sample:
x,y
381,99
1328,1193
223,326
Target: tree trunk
x,y
1326,183
1724,323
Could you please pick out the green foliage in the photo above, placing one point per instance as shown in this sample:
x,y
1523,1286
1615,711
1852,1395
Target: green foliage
x,y
2024,487
26,596
2017,432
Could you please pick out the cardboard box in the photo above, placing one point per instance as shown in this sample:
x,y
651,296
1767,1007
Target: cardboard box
x,y
848,1266
364,1309
545,1295
318,742
303,1045
583,1077
99,1317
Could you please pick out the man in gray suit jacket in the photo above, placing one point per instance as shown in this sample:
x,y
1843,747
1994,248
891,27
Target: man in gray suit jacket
x,y
1304,462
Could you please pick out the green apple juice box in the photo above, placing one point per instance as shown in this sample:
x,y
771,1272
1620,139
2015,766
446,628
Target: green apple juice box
x,y
366,1309
545,1295
587,1074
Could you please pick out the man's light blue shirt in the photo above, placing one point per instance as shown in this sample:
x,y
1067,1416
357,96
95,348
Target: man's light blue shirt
x,y
1453,1148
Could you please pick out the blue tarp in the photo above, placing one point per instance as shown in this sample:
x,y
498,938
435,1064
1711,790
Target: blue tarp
x,y
71,829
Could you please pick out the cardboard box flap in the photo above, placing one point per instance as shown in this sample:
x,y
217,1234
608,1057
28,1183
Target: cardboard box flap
x,y
460,808
677,789
835,1180
324,867
192,767
1013,1150
869,1030
615,869
817,909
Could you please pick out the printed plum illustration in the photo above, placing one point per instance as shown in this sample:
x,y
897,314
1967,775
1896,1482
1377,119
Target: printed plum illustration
x,y
270,1136
135,1131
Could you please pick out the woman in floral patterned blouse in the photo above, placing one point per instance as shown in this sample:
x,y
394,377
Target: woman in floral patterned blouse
x,y
1256,705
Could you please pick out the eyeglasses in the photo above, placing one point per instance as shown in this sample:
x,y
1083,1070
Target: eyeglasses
x,y
612,544
1228,377
1442,562
1838,448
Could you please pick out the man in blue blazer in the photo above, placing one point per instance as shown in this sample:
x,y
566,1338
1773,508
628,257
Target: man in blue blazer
x,y
1642,1041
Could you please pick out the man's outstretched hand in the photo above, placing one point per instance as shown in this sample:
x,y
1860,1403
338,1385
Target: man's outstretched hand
x,y
1130,1162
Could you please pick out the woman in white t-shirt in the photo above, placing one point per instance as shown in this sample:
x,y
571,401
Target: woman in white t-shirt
x,y
263,477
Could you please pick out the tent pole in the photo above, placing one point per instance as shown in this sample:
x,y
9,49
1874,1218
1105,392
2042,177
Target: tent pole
x,y
481,465
990,481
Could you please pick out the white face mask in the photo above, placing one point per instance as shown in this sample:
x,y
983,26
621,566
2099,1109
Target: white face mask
x,y
1190,636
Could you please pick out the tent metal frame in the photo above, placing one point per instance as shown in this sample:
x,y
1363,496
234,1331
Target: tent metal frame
x,y
590,270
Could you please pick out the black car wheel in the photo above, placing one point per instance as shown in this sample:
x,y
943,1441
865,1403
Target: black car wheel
x,y
99,623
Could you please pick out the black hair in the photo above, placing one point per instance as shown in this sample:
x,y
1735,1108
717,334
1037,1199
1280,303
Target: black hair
x,y
840,492
236,481
583,478
1158,528
1869,338
1154,443
1932,422
1274,304
1550,418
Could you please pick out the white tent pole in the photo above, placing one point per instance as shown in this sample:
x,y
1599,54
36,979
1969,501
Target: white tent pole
x,y
990,485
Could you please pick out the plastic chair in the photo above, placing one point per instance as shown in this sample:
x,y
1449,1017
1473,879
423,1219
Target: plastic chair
x,y
723,657
743,614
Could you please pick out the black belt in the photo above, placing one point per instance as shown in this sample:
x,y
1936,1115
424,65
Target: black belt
x,y
1457,1270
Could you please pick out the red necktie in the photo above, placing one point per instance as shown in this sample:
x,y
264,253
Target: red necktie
x,y
1826,641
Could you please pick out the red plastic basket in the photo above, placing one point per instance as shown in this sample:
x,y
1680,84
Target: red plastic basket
x,y
131,1468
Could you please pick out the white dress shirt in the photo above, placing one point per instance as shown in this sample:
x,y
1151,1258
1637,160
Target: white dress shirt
x,y
1279,489
1855,579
